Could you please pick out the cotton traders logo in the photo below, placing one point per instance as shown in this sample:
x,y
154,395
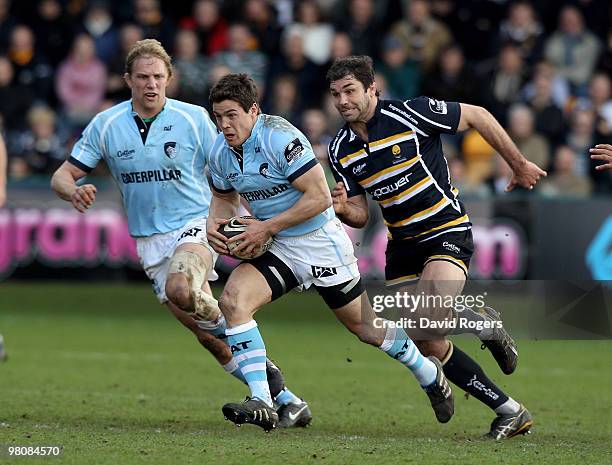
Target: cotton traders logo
x,y
126,154
170,149
263,170
358,169
451,247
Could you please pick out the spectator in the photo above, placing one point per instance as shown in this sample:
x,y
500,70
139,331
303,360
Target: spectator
x,y
559,86
98,23
341,47
457,170
573,50
532,145
211,27
261,18
148,15
451,79
15,99
565,181
549,119
53,31
39,149
522,29
7,24
315,128
81,82
423,36
501,86
241,57
31,69
402,76
600,101
309,77
361,25
192,68
316,34
581,137
116,88
284,99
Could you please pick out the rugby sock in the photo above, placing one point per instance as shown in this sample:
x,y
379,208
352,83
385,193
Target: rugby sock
x,y
469,321
463,371
233,369
287,397
399,346
249,351
216,328
508,407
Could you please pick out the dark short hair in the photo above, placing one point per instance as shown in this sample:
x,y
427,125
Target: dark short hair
x,y
361,67
237,87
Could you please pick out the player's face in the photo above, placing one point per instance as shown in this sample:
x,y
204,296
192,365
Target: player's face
x,y
148,82
235,123
353,102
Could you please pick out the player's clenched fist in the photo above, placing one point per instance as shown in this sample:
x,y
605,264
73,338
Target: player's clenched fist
x,y
83,197
339,198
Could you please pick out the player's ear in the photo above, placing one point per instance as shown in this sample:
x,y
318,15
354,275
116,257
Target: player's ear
x,y
128,79
255,110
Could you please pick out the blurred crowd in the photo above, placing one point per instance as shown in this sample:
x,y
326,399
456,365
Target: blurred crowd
x,y
543,68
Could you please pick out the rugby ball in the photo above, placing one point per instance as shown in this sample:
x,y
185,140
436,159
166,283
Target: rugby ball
x,y
234,228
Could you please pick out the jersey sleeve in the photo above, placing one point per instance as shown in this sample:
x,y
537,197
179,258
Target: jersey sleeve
x,y
293,154
434,116
88,150
341,174
218,181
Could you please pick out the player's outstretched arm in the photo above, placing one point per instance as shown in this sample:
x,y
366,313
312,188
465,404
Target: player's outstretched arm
x,y
602,152
525,173
352,211
222,207
64,185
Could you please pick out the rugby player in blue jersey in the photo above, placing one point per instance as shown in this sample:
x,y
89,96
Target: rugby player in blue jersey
x,y
156,149
392,150
271,165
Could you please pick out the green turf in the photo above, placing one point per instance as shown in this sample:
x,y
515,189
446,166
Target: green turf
x,y
106,373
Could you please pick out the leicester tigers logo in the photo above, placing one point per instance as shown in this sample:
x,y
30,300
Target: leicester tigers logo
x,y
170,149
263,170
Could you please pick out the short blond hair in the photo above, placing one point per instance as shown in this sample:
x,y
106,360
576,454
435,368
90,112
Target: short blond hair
x,y
148,48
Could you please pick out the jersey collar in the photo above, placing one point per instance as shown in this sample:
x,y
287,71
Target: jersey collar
x,y
160,112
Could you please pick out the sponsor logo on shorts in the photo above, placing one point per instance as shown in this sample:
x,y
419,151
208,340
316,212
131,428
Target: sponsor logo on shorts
x,y
323,271
193,232
263,170
293,151
170,149
451,247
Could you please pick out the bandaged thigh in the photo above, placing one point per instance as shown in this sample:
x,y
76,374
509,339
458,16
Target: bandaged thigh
x,y
194,268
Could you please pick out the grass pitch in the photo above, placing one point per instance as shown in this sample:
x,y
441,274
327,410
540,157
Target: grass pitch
x,y
106,373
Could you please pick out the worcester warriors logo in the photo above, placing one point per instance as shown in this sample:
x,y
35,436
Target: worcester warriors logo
x,y
396,150
263,170
170,149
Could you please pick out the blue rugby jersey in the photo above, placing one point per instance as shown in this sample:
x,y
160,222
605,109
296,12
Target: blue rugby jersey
x,y
275,154
162,181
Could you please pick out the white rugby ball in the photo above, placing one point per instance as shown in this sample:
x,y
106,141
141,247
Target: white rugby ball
x,y
234,228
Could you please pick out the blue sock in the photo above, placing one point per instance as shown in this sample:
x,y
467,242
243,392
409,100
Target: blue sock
x,y
216,328
233,369
399,346
287,397
249,351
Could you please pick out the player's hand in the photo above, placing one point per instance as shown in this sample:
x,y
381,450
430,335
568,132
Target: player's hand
x,y
216,240
83,197
526,176
602,152
339,198
256,235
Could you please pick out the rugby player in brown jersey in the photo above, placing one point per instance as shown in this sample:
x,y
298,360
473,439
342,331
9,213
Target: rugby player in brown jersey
x,y
392,150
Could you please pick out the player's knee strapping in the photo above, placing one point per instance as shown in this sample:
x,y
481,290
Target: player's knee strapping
x,y
193,266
